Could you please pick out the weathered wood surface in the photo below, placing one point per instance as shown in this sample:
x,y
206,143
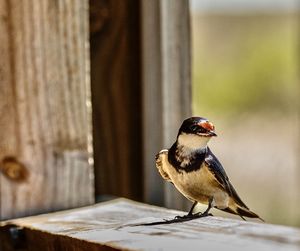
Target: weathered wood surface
x,y
44,107
166,89
108,226
116,97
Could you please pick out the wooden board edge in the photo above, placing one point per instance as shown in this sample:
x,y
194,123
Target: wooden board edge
x,y
14,237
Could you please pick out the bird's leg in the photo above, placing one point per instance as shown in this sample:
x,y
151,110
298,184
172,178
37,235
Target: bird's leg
x,y
205,213
190,213
192,208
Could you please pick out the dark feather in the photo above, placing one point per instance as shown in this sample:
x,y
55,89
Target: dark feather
x,y
217,169
247,213
195,161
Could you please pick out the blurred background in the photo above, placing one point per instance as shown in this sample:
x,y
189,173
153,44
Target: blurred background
x,y
246,80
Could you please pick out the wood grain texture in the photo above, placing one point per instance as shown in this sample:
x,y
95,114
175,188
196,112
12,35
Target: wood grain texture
x,y
166,88
104,227
116,90
44,106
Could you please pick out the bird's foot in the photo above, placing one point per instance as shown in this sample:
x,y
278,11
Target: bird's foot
x,y
205,214
192,216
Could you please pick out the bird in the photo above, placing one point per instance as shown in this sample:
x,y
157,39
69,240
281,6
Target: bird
x,y
196,172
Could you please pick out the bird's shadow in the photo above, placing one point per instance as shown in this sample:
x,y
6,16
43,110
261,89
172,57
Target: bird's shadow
x,y
178,219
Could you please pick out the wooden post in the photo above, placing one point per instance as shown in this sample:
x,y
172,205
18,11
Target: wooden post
x,y
45,108
166,88
116,84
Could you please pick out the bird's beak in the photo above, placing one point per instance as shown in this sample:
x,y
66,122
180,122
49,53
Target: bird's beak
x,y
212,133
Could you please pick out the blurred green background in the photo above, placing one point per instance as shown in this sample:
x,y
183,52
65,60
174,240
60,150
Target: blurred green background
x,y
246,81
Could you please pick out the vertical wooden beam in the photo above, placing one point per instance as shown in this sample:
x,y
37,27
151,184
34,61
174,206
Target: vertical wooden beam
x,y
166,87
45,131
115,75
152,99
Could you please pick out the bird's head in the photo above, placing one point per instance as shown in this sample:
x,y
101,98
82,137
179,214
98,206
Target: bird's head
x,y
195,132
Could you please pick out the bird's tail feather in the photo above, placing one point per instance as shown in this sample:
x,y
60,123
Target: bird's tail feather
x,y
247,213
241,211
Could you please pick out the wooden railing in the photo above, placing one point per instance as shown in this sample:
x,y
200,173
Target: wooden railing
x,y
115,225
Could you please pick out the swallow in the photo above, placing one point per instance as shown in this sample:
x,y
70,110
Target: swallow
x,y
197,173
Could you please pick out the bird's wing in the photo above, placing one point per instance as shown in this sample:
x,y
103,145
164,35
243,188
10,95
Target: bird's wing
x,y
159,160
218,171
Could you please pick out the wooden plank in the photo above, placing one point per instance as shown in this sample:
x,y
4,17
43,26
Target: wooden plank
x,y
110,226
45,139
115,77
166,88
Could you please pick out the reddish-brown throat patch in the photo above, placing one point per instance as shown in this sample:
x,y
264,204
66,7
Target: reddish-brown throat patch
x,y
207,125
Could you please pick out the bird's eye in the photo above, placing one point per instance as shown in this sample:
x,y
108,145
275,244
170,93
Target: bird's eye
x,y
194,128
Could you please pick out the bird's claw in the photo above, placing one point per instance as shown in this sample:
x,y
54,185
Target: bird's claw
x,y
204,214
